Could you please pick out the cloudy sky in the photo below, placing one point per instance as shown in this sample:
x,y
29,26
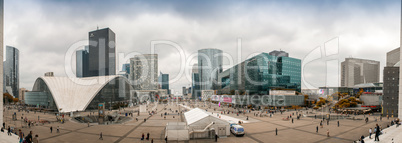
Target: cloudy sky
x,y
44,31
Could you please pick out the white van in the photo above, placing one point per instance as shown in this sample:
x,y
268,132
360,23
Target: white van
x,y
237,130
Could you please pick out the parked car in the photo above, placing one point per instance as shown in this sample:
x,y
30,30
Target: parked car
x,y
237,130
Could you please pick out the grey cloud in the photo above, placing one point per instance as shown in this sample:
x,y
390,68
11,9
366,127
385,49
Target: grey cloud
x,y
44,30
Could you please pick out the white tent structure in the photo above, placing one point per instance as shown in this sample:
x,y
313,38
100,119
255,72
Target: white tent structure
x,y
176,131
203,125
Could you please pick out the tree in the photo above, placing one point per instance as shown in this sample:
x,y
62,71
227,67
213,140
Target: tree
x,y
305,99
8,97
232,92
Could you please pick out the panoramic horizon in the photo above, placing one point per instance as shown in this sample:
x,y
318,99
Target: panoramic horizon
x,y
263,26
227,71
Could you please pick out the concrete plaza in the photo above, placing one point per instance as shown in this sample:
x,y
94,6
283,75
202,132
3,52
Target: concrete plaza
x,y
258,129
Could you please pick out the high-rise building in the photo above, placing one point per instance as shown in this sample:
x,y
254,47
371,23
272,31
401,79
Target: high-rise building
x,y
22,94
11,71
391,82
195,79
144,72
356,71
126,68
1,54
82,62
184,91
261,73
102,52
393,57
279,53
209,66
390,91
163,81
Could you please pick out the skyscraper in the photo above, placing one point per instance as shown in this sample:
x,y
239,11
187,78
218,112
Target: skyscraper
x,y
209,65
82,62
261,73
393,57
143,72
102,52
163,81
126,68
11,71
356,71
195,83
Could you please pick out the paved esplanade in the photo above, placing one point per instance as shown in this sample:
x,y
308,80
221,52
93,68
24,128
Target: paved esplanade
x,y
258,129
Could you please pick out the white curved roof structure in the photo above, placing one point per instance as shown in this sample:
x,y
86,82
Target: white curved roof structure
x,y
74,94
195,115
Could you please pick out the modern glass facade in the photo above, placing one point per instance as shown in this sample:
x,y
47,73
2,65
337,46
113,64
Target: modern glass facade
x,y
261,73
40,95
102,52
116,91
11,71
209,66
163,81
126,68
82,62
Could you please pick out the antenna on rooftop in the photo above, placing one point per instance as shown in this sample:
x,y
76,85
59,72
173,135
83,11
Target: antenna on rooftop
x,y
97,27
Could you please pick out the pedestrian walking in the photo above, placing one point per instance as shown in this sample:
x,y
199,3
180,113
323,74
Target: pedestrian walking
x,y
317,129
292,120
51,129
338,123
216,138
28,138
58,129
166,139
9,131
276,131
35,139
20,135
327,132
142,137
147,136
370,132
377,133
100,136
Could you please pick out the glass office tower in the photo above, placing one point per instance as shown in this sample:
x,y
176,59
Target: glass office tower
x,y
163,81
102,52
11,78
82,62
209,66
261,73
